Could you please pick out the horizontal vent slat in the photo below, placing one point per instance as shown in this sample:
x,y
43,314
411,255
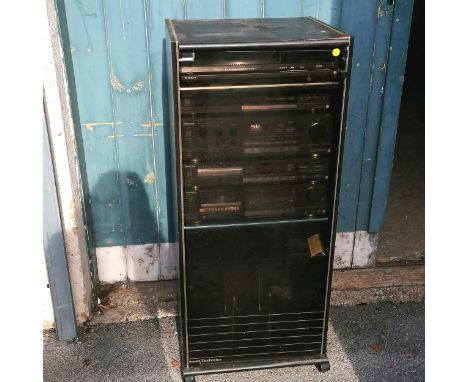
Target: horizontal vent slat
x,y
254,339
255,331
254,346
301,352
258,315
254,323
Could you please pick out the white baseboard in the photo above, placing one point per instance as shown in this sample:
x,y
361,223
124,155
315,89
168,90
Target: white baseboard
x,y
111,264
344,245
145,262
365,249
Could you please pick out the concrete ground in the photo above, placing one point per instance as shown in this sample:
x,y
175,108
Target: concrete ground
x,y
376,333
370,342
148,300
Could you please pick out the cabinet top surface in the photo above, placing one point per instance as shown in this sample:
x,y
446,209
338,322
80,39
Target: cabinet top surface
x,y
252,31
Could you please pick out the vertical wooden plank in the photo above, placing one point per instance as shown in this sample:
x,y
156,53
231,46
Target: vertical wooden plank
x,y
127,60
94,122
372,129
310,7
329,11
54,251
157,12
359,18
391,106
274,8
243,9
205,9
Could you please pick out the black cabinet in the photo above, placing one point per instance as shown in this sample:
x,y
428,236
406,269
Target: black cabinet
x,y
257,112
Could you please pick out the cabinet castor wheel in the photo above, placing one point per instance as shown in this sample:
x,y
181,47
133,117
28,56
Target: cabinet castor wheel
x,y
323,366
189,378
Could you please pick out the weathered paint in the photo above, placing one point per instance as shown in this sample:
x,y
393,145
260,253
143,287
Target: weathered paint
x,y
114,55
90,91
143,262
384,17
391,106
365,249
126,52
344,245
361,23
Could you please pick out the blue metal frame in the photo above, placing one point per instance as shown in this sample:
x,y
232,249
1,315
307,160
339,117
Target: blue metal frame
x,y
54,250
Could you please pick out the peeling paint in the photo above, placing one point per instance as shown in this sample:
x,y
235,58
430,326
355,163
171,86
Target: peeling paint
x,y
365,249
344,243
149,178
381,11
91,125
116,84
72,48
131,183
111,136
137,87
143,135
149,249
151,124
112,201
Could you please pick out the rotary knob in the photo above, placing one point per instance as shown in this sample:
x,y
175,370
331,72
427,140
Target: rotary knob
x,y
202,132
232,131
314,132
313,194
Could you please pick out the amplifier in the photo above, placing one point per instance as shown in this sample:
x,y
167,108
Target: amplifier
x,y
257,134
256,109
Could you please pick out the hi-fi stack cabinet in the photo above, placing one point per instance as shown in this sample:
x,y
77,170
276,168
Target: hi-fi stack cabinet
x,y
257,116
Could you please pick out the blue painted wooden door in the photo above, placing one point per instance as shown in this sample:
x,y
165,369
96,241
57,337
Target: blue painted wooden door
x,y
113,51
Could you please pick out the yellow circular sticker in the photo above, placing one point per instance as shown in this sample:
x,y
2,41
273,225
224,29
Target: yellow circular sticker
x,y
336,52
